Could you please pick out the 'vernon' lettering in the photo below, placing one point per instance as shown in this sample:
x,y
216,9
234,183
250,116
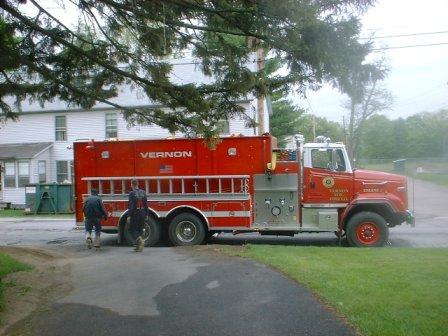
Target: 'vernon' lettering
x,y
156,155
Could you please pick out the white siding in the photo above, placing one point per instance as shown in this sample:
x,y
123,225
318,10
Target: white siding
x,y
267,125
37,127
237,125
16,196
139,132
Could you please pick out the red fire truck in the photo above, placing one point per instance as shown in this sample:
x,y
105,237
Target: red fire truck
x,y
245,184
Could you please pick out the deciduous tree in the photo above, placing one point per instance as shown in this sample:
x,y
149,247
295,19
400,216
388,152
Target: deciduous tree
x,y
366,98
419,135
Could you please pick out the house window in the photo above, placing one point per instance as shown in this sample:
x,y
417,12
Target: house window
x,y
223,127
61,128
111,125
17,174
62,171
42,171
24,173
10,175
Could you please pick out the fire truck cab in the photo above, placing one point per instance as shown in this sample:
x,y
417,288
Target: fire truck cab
x,y
245,184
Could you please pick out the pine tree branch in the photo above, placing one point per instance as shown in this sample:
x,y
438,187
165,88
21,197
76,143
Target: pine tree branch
x,y
43,10
134,11
79,50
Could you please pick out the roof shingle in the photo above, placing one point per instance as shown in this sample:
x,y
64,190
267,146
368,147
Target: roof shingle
x,y
22,150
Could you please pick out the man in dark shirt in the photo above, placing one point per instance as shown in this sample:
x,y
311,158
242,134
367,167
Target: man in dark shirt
x,y
138,210
93,212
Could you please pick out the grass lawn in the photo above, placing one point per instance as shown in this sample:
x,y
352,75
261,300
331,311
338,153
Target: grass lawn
x,y
21,213
386,291
8,265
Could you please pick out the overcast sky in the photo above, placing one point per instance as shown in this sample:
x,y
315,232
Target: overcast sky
x,y
418,79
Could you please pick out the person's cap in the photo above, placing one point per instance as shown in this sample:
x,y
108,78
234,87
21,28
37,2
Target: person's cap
x,y
94,191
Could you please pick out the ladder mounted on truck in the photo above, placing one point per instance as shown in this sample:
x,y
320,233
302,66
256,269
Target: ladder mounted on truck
x,y
159,186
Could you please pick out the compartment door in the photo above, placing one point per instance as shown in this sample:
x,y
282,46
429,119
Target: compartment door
x,y
276,202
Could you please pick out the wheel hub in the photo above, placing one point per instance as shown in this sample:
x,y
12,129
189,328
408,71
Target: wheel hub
x,y
186,231
368,233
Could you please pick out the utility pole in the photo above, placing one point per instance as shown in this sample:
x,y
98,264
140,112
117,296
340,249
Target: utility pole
x,y
344,126
314,128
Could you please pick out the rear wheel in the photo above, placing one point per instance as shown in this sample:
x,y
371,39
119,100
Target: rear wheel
x,y
367,229
186,229
151,232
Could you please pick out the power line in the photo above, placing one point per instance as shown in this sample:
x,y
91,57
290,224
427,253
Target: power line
x,y
411,46
404,35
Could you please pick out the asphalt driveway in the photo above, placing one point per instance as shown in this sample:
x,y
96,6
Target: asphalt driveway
x,y
178,291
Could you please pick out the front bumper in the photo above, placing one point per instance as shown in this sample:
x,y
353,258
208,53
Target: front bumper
x,y
410,219
402,217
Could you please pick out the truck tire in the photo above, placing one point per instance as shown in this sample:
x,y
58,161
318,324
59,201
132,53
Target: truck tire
x,y
367,229
186,229
151,232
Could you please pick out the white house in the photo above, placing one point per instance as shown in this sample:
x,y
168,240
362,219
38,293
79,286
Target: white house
x,y
38,147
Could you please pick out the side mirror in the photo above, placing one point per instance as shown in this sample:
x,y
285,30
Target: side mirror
x,y
271,165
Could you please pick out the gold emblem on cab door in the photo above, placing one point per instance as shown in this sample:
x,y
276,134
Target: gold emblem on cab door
x,y
328,182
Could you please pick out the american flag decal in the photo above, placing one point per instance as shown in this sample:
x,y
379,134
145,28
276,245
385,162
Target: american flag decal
x,y
166,169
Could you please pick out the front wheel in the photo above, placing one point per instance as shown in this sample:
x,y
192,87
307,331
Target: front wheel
x,y
151,232
186,229
367,229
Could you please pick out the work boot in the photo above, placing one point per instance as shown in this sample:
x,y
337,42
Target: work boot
x,y
139,244
97,242
89,242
